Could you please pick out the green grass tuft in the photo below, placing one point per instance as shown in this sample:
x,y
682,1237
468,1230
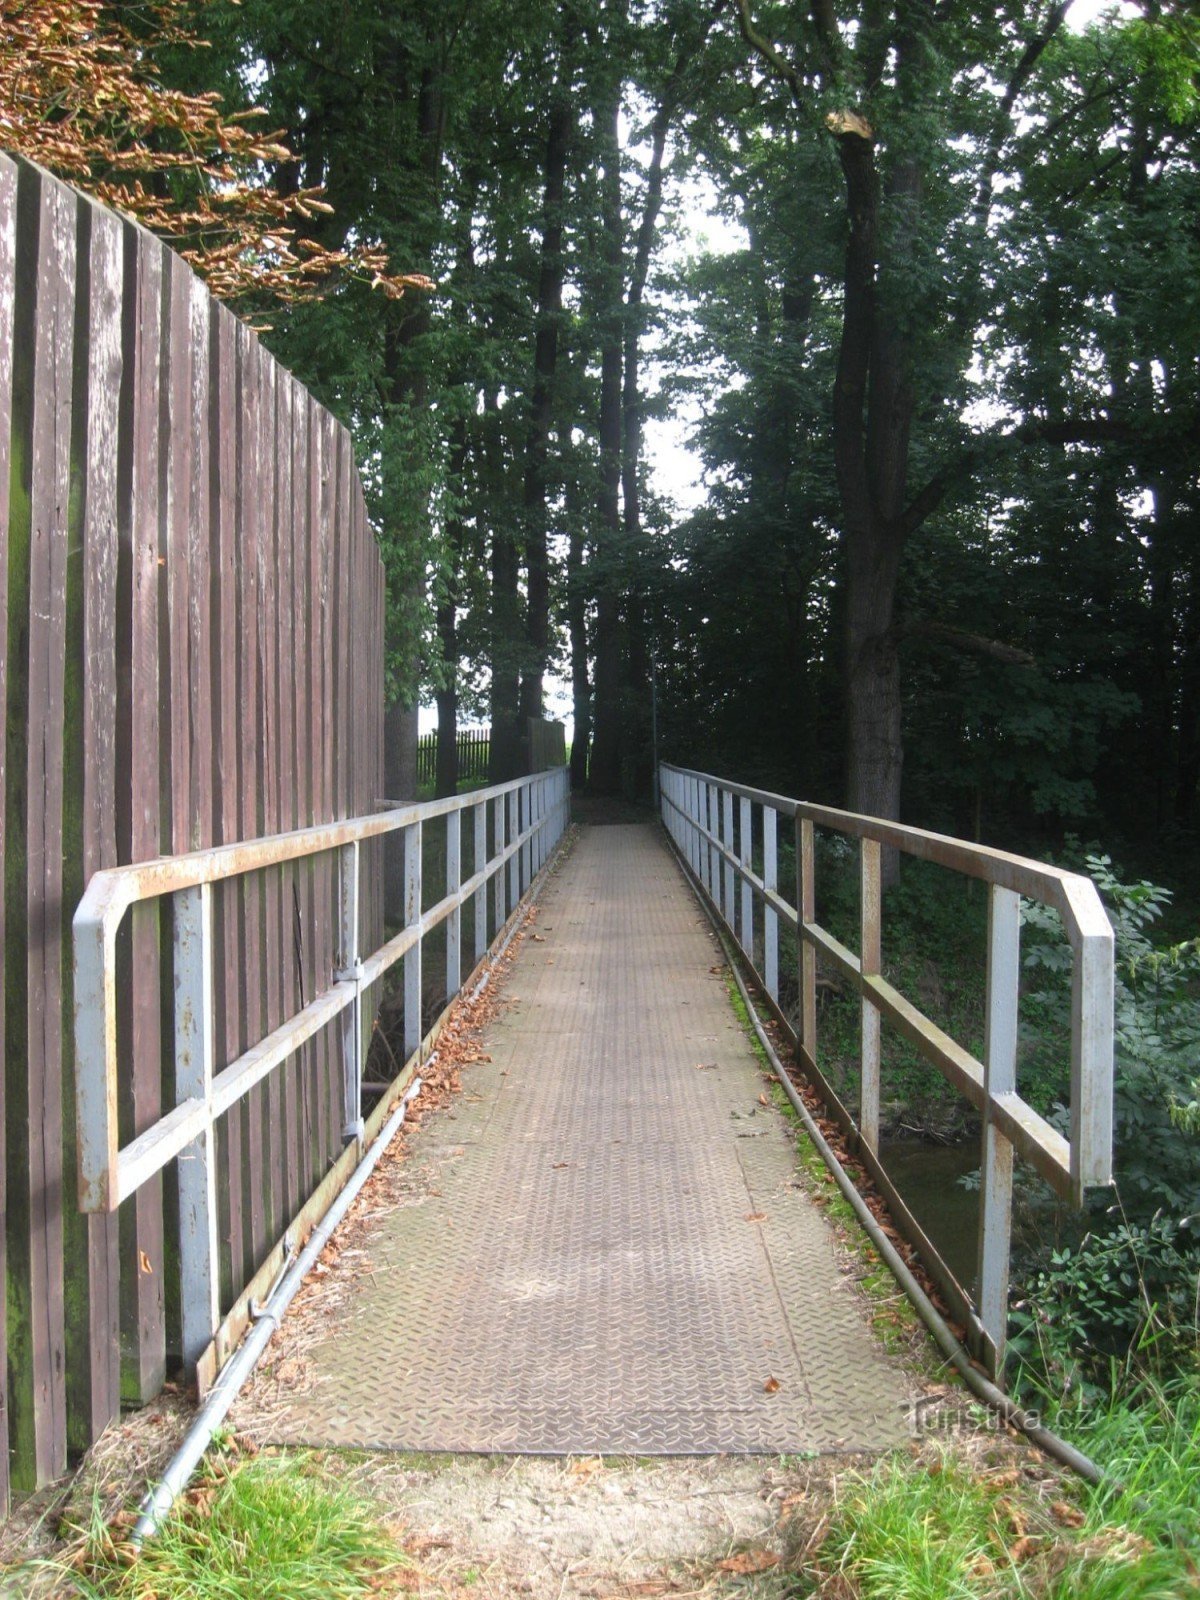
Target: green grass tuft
x,y
272,1528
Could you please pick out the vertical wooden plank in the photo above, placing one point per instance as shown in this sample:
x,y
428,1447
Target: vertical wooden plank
x,y
138,804
329,1111
42,389
8,265
89,781
413,1031
294,1190
313,1109
268,744
299,674
871,909
224,409
203,721
249,540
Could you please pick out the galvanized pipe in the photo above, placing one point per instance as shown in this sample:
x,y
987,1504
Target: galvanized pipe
x,y
267,1318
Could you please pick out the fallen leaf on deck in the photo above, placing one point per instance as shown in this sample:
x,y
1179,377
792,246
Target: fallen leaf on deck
x,y
771,1386
558,1165
756,1216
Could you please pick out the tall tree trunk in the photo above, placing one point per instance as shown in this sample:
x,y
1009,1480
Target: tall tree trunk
x,y
607,568
504,753
549,316
446,781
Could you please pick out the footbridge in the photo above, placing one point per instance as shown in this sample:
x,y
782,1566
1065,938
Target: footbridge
x,y
602,1244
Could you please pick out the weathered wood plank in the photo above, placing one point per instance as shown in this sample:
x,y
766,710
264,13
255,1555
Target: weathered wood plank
x,y
138,803
8,264
266,533
37,1353
248,542
89,780
285,812
224,408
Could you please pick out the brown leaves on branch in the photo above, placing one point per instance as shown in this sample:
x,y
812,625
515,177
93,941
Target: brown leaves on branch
x,y
79,94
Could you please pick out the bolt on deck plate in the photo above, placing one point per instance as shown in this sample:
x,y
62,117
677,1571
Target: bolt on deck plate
x,y
605,1250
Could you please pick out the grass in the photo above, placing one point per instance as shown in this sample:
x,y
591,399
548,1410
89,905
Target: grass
x,y
945,1531
263,1528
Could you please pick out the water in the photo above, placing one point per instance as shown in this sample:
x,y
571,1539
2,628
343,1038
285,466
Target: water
x,y
926,1176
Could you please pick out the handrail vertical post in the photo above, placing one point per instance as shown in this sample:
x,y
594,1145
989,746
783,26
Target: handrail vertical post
x,y
728,903
412,958
514,860
806,904
481,927
350,970
745,841
198,1250
499,842
770,915
871,911
454,920
1000,1077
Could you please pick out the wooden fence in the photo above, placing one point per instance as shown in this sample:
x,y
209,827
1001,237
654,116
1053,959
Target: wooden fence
x,y
473,744
191,643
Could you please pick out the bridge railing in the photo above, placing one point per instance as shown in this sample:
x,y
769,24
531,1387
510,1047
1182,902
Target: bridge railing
x,y
715,824
527,820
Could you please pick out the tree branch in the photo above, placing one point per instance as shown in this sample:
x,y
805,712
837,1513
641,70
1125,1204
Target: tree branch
x,y
780,66
1073,430
973,643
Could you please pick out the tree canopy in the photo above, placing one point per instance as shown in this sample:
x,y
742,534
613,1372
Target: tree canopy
x,y
945,379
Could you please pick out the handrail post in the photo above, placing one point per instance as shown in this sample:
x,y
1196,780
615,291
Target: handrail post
x,y
453,883
350,970
499,841
870,908
728,903
806,904
745,841
412,958
198,1249
770,915
1000,1077
481,927
514,860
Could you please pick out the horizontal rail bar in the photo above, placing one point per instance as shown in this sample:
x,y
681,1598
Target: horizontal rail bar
x,y
697,809
108,1173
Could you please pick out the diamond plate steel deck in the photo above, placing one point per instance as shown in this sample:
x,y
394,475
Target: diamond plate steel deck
x,y
577,1271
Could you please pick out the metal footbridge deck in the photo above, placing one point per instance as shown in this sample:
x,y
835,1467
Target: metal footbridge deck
x,y
605,1248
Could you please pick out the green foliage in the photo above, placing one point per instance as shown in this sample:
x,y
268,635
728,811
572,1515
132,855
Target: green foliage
x,y
938,1530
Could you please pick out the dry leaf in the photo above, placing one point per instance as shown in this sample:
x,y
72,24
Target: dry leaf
x,y
1022,1549
763,1101
558,1165
1070,1516
144,1263
756,1216
771,1386
749,1561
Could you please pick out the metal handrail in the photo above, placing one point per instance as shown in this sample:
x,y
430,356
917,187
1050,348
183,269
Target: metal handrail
x,y
698,810
529,817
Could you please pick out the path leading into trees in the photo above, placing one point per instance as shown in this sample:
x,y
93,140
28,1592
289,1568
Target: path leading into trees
x,y
607,1251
